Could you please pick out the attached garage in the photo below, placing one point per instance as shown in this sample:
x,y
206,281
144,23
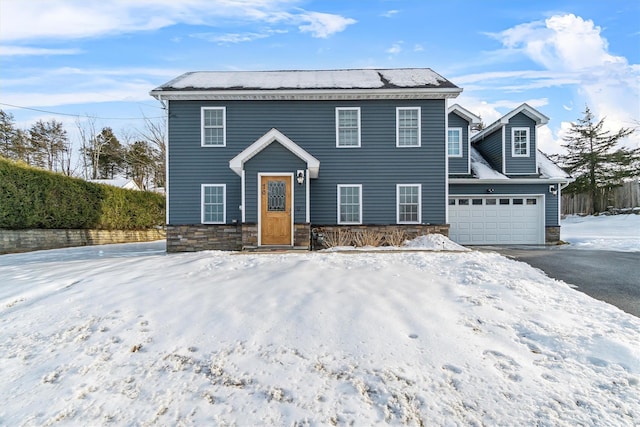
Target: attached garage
x,y
497,219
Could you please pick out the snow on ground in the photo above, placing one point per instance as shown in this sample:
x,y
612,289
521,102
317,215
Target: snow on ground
x,y
128,335
607,232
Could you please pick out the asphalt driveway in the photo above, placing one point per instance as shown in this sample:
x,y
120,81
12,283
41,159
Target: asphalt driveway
x,y
609,276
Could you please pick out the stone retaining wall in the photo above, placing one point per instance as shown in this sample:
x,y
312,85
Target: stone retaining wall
x,y
14,241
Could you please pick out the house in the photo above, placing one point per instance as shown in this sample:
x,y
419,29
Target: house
x,y
502,189
125,183
268,158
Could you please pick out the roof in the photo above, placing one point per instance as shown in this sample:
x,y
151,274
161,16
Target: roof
x,y
120,182
417,82
464,113
237,163
482,171
525,109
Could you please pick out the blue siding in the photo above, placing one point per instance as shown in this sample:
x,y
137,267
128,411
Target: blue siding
x,y
550,201
521,165
460,165
378,165
491,149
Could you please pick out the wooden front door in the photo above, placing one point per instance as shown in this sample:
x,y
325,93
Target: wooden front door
x,y
275,210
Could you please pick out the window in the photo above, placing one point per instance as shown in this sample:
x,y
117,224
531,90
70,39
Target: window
x,y
408,127
409,197
476,202
463,202
490,201
517,201
350,204
348,127
531,201
213,203
454,142
214,132
520,142
505,201
452,202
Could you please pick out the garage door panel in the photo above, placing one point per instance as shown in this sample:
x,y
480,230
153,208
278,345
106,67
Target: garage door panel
x,y
505,220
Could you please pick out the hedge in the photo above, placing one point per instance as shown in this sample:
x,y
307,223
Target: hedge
x,y
34,198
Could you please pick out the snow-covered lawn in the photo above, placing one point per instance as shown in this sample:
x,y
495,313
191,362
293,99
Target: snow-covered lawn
x,y
610,232
127,335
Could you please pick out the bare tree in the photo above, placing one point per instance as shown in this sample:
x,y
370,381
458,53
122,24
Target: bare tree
x,y
155,134
87,132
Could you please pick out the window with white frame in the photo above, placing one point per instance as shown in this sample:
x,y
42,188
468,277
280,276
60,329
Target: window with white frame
x,y
409,203
348,127
408,127
213,203
350,204
213,127
454,142
520,142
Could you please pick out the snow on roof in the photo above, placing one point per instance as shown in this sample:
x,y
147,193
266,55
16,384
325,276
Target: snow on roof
x,y
309,79
126,183
482,169
548,169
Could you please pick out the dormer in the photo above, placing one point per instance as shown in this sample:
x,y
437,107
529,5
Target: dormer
x,y
510,143
460,121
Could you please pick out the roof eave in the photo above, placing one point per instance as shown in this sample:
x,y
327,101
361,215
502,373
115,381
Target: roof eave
x,y
257,94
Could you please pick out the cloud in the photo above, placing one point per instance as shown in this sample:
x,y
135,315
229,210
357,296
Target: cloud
x,y
61,19
35,51
322,25
575,50
395,49
389,13
236,37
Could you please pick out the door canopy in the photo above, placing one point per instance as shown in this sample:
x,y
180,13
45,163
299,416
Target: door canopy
x,y
237,163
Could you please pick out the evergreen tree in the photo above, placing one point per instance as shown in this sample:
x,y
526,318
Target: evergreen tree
x,y
50,147
594,159
7,135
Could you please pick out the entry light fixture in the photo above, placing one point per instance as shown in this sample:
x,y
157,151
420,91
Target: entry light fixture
x,y
490,190
553,190
300,177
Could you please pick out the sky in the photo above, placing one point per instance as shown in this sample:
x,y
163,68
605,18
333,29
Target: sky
x,y
127,334
74,60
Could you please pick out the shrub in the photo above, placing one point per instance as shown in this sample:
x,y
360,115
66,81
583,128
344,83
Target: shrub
x,y
34,198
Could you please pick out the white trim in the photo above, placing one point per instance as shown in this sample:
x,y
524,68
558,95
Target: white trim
x,y
527,110
166,165
509,181
469,149
504,151
419,142
224,203
340,186
224,126
461,151
464,113
259,213
357,109
243,196
307,216
446,164
527,142
419,220
237,163
306,94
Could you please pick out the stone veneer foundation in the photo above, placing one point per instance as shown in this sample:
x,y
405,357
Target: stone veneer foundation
x,y
191,238
552,235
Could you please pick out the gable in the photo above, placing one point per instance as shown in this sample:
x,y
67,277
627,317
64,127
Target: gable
x,y
237,163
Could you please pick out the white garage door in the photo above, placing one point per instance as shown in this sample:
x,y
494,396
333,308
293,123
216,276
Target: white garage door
x,y
496,220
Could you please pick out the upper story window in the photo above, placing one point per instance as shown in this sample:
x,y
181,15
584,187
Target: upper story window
x,y
520,142
408,127
350,204
348,127
454,142
214,129
409,206
213,200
